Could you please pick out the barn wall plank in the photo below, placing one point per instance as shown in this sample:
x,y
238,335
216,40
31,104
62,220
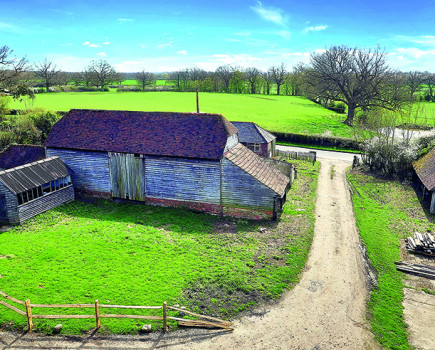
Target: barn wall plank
x,y
11,206
241,190
89,170
44,203
183,179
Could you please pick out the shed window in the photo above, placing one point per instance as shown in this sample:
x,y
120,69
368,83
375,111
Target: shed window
x,y
43,190
254,147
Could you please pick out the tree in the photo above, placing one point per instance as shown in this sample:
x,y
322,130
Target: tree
x,y
429,80
267,82
414,81
11,70
225,73
278,74
102,73
47,71
358,77
237,82
145,78
253,77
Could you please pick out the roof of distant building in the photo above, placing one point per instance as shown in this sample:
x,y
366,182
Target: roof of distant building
x,y
17,155
250,132
191,135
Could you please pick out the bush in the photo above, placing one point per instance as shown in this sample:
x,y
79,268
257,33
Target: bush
x,y
44,121
340,107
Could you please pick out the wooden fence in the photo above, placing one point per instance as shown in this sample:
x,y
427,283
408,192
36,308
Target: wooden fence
x,y
311,156
203,321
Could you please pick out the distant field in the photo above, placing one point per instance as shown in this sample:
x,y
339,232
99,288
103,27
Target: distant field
x,y
275,113
135,82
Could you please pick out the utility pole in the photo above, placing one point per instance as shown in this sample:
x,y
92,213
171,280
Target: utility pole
x,y
197,101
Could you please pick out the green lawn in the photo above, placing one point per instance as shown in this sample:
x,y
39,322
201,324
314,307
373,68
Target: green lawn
x,y
131,254
275,113
387,211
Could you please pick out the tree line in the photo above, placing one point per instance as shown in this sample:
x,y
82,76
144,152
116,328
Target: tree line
x,y
339,78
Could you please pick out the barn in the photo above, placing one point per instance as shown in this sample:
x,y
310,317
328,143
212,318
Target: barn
x,y
257,139
171,159
16,155
425,170
33,188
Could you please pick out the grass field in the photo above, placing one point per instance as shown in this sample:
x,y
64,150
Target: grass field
x,y
387,211
275,113
142,255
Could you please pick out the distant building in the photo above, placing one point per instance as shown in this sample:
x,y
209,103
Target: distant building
x,y
257,139
17,155
31,189
172,159
425,170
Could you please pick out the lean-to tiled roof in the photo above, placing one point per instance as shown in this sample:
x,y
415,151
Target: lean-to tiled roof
x,y
425,169
188,135
258,168
17,155
34,174
253,133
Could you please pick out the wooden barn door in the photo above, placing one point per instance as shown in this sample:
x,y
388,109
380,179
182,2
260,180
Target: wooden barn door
x,y
127,172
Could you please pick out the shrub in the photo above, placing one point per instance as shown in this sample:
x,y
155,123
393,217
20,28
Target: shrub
x,y
340,107
44,121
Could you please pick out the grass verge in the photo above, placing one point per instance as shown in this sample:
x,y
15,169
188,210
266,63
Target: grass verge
x,y
387,211
131,254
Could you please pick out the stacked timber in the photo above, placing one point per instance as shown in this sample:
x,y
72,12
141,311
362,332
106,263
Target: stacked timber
x,y
419,270
421,243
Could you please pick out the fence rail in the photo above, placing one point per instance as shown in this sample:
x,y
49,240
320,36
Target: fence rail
x,y
204,321
311,156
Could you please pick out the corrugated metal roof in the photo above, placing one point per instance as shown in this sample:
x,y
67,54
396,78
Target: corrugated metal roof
x,y
17,155
34,174
258,168
190,135
253,133
425,169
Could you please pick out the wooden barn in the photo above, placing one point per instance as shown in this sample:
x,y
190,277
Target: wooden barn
x,y
425,170
257,139
171,159
33,188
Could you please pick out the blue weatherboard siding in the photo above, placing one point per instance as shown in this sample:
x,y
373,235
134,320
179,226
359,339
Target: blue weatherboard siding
x,y
89,170
241,190
183,179
11,204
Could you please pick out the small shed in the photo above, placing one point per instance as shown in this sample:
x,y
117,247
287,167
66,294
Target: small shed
x,y
257,139
33,188
17,155
425,170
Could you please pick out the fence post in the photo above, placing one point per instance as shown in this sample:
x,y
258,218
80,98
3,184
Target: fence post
x,y
29,315
165,326
97,314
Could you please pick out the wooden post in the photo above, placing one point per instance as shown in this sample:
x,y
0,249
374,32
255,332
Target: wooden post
x,y
197,101
97,314
29,315
165,326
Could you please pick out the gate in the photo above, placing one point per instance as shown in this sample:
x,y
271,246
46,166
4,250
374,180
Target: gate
x,y
127,173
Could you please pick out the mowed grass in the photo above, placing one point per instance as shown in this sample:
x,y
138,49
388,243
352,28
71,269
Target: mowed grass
x,y
131,254
387,211
290,114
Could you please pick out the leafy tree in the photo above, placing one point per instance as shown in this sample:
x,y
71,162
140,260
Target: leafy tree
x,y
145,78
253,77
237,82
267,82
44,121
48,72
429,80
360,78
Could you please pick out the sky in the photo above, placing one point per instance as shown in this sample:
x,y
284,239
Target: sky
x,y
168,35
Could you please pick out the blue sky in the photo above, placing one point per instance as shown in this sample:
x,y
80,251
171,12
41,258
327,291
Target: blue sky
x,y
167,35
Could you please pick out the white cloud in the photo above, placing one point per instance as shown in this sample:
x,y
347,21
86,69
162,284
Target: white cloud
x,y
315,29
320,51
412,58
103,54
182,52
4,25
124,20
284,34
94,45
106,43
270,14
425,40
86,43
415,52
161,46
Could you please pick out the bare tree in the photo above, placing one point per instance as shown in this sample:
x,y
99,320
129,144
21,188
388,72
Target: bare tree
x,y
102,72
225,73
267,82
278,74
357,77
414,81
11,69
253,77
47,71
87,76
429,80
145,78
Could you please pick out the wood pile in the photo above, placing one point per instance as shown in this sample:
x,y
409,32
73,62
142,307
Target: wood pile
x,y
419,270
421,243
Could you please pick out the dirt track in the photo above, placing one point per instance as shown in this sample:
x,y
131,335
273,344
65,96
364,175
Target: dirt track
x,y
325,310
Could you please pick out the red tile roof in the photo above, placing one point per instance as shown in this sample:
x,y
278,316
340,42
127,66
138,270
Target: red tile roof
x,y
425,169
257,167
189,135
17,155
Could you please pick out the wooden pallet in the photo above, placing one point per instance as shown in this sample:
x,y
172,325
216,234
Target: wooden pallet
x,y
421,243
